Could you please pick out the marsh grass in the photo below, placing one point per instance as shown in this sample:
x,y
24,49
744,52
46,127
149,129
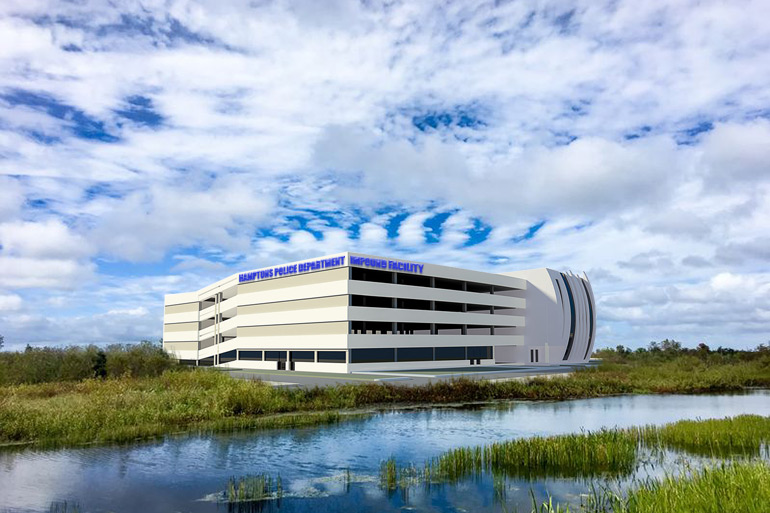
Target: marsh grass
x,y
64,507
389,472
129,408
254,488
548,506
731,487
744,435
586,454
606,452
611,453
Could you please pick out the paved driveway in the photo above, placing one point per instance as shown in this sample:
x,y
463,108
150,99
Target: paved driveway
x,y
412,377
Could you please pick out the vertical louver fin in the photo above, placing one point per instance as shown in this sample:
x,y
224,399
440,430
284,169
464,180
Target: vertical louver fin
x,y
591,321
572,317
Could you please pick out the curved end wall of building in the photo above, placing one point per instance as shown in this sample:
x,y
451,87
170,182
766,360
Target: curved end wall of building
x,y
561,318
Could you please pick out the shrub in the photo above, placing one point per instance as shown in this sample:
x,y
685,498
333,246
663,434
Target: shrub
x,y
76,363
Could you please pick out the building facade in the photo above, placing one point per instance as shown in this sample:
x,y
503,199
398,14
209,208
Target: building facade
x,y
351,312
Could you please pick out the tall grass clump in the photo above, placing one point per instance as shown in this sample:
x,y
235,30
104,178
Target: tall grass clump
x,y
64,507
253,488
548,506
736,487
742,435
606,452
389,474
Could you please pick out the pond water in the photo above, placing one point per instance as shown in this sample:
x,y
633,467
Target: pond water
x,y
177,474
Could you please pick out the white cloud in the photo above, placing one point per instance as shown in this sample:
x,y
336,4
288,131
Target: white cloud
x,y
20,272
372,234
737,154
637,132
139,311
145,225
46,239
22,39
11,198
10,302
590,176
411,233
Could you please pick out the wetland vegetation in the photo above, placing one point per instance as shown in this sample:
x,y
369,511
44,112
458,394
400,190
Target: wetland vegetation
x,y
142,394
596,459
733,487
574,455
336,468
608,452
253,488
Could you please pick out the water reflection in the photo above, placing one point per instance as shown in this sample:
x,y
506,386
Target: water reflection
x,y
177,474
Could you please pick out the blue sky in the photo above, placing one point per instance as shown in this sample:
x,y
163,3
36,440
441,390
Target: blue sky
x,y
153,147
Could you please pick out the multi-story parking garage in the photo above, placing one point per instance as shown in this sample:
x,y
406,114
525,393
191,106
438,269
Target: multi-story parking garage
x,y
352,312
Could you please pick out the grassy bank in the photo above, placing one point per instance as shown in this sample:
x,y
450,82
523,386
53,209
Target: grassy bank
x,y
606,452
128,407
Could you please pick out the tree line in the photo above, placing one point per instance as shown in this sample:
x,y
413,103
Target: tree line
x,y
668,349
75,363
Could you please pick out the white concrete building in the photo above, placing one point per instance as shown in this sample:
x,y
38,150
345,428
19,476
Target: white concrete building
x,y
351,312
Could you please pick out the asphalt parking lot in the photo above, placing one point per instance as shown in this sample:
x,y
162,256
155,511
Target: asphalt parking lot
x,y
410,378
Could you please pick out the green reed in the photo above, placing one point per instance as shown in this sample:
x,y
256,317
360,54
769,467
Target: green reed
x,y
747,435
580,455
64,507
606,452
254,488
389,474
732,487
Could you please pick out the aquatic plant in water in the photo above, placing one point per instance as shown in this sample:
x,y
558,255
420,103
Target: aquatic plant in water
x,y
254,488
746,435
606,452
730,487
64,507
603,452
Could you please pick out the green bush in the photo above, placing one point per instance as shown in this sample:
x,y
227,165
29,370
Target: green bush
x,y
76,363
143,359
